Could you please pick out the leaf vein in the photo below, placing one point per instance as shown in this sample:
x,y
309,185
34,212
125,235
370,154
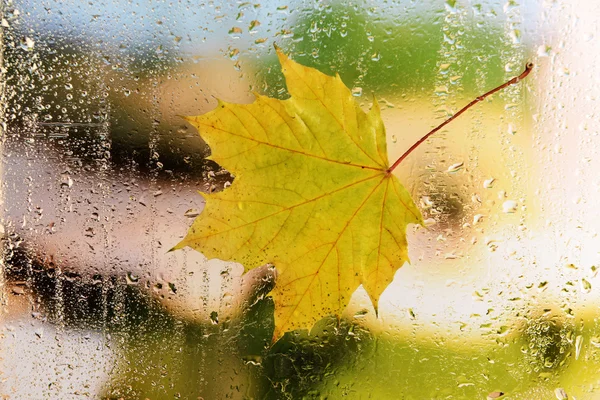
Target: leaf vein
x,y
333,246
290,150
295,205
341,124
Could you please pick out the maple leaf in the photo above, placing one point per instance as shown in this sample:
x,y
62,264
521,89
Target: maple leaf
x,y
313,195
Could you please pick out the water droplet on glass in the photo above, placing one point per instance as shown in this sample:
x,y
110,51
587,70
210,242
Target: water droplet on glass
x,y
253,25
66,181
489,183
561,394
578,344
411,313
18,290
449,39
132,279
426,202
454,79
441,90
543,51
234,54
455,167
361,313
235,32
586,286
192,213
509,206
357,91
429,222
515,36
214,317
511,129
27,43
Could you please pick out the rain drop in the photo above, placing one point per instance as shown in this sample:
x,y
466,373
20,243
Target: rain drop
x,y
561,394
455,167
509,206
578,344
131,278
489,183
586,286
27,43
191,213
543,51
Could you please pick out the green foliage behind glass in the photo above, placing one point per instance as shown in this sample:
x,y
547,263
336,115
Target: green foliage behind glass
x,y
389,56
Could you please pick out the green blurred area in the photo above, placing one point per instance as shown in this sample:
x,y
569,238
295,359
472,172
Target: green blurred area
x,y
408,56
163,357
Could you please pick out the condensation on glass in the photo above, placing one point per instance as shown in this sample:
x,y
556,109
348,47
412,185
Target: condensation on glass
x,y
99,179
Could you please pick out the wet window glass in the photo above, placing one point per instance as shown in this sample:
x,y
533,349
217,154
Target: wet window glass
x,y
100,174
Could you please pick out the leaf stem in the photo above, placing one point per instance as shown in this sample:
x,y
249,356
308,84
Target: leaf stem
x,y
514,80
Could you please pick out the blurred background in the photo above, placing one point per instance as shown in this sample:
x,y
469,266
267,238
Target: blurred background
x,y
99,178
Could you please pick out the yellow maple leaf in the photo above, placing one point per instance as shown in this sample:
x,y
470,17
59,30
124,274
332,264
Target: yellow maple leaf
x,y
312,195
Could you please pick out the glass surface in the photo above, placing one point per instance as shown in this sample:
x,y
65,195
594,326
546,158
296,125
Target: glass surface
x,y
99,178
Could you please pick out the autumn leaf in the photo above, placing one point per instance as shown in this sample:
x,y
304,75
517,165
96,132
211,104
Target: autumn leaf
x,y
313,195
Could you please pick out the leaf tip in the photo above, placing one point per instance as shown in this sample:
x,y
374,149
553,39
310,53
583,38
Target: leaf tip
x,y
375,107
186,117
375,302
221,103
277,334
421,221
178,246
275,338
281,55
